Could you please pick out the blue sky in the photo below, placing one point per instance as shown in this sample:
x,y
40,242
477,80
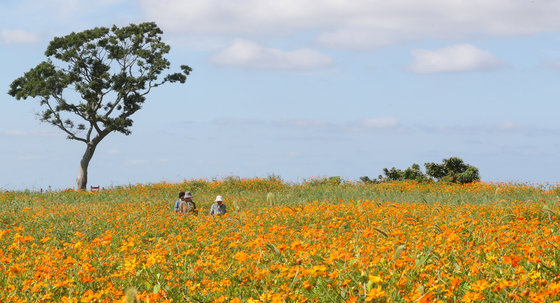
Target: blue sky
x,y
304,88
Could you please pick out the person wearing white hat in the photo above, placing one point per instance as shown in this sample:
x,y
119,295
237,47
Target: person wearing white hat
x,y
218,208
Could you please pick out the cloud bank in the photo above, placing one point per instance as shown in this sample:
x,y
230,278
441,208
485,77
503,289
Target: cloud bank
x,y
455,58
357,24
247,54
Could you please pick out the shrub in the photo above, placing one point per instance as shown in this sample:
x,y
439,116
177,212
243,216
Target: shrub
x,y
452,170
367,180
412,173
334,180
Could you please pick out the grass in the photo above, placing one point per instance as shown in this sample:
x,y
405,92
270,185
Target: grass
x,y
320,240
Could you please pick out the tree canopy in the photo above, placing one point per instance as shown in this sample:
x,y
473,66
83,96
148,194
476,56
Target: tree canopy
x,y
94,81
452,169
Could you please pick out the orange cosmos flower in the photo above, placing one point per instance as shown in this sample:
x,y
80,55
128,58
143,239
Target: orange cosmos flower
x,y
375,293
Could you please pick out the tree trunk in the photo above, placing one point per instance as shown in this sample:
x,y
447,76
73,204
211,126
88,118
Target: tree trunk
x,y
82,175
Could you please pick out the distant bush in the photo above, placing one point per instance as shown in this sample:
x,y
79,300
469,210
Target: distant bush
x,y
367,180
334,180
274,177
452,170
412,173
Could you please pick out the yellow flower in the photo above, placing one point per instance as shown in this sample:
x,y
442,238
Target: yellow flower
x,y
375,279
472,297
90,296
534,275
480,285
375,293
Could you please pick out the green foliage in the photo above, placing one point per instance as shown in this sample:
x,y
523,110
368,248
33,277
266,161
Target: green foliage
x,y
333,180
393,174
274,177
94,81
453,170
367,180
412,173
111,70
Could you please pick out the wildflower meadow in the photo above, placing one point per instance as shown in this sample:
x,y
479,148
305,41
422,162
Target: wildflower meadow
x,y
322,240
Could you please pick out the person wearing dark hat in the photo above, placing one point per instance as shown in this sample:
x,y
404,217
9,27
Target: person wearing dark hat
x,y
188,205
185,203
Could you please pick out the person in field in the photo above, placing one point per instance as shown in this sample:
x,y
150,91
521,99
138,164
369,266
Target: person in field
x,y
185,204
188,206
218,208
178,202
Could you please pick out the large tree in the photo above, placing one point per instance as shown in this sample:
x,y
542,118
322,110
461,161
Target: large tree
x,y
94,81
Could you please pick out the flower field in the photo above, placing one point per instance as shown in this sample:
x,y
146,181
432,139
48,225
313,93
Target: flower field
x,y
318,241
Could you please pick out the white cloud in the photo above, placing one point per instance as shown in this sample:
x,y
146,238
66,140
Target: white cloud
x,y
242,53
18,36
455,58
373,22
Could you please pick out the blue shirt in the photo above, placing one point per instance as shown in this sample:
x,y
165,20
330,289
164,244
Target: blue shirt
x,y
217,209
176,208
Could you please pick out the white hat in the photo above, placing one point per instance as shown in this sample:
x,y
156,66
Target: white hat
x,y
188,195
219,198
